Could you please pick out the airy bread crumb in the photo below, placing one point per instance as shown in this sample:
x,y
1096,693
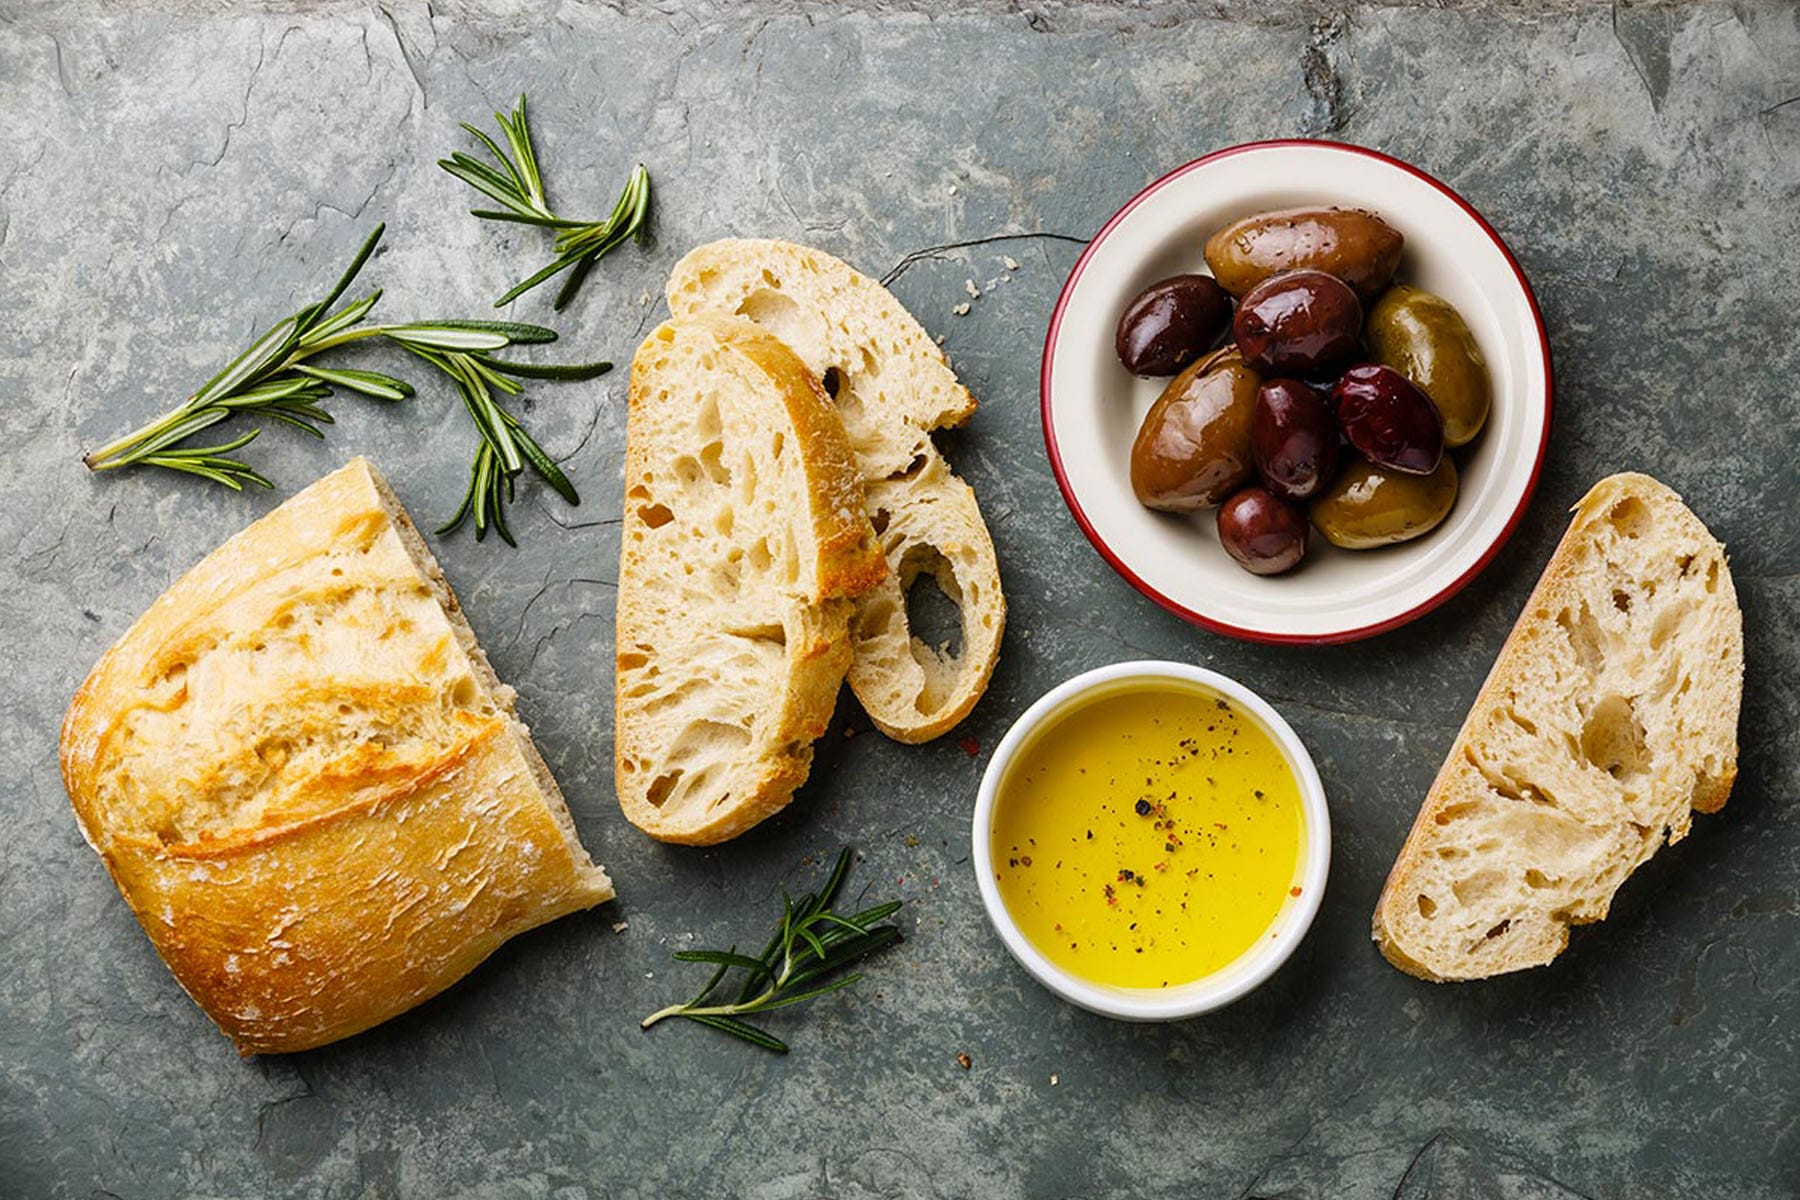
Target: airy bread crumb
x,y
1609,717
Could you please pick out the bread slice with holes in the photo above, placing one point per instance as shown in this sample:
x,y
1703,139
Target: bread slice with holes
x,y
893,387
308,783
1609,717
745,541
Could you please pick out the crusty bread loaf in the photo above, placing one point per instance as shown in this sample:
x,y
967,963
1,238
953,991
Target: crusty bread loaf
x,y
1610,714
891,383
744,541
308,783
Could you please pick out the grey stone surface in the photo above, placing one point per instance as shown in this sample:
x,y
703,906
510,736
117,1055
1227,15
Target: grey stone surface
x,y
172,177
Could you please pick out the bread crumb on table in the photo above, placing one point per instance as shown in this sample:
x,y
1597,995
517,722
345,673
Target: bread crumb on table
x,y
1055,1079
620,926
964,1061
969,287
1009,262
961,310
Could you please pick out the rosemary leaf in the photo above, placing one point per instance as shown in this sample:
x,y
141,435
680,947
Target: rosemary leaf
x,y
514,180
274,379
798,964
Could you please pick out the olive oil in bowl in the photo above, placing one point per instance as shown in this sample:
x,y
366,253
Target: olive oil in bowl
x,y
1148,834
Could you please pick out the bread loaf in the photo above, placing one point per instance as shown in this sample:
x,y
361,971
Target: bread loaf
x,y
893,387
308,783
744,543
1610,715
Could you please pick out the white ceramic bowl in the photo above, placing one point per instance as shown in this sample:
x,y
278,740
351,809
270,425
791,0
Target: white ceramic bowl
x,y
1092,406
1229,982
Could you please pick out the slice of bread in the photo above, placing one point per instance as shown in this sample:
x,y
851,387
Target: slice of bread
x,y
744,541
309,785
929,525
893,386
1609,716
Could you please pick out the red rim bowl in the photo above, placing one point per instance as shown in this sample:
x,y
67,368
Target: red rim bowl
x,y
1138,245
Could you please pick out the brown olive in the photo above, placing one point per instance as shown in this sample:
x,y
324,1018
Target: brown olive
x,y
1369,506
1299,322
1193,448
1293,438
1388,420
1423,337
1356,246
1264,533
1171,323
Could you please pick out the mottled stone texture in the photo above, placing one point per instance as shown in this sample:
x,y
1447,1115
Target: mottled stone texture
x,y
171,178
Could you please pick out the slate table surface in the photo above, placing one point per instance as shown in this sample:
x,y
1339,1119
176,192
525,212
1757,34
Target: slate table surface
x,y
174,176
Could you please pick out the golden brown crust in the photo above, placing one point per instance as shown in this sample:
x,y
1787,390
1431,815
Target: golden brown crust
x,y
311,797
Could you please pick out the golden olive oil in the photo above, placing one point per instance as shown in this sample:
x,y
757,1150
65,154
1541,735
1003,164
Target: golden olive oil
x,y
1148,836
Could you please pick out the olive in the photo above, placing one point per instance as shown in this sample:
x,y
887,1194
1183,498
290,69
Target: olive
x,y
1388,420
1423,337
1358,247
1264,533
1193,448
1293,438
1369,505
1300,322
1172,323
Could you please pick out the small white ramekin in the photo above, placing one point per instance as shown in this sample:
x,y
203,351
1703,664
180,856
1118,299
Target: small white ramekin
x,y
1226,984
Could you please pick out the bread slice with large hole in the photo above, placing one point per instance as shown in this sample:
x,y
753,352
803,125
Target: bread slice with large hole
x,y
308,783
745,541
893,387
1609,717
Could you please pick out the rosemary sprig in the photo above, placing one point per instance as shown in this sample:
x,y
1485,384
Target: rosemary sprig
x,y
275,378
801,961
515,181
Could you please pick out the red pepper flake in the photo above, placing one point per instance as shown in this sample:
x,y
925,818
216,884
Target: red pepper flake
x,y
964,1061
1220,826
1025,860
1161,866
1294,891
971,745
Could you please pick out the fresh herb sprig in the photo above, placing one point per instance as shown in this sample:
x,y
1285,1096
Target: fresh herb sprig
x,y
513,179
276,378
811,945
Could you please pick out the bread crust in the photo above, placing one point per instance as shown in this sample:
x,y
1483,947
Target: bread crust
x,y
787,641
1556,590
303,878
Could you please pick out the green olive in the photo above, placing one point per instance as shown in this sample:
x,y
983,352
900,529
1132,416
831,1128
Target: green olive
x,y
1369,506
1423,337
1193,449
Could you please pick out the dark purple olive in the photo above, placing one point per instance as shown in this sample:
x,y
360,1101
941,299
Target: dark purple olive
x,y
1294,439
1298,323
1388,420
1265,534
1172,323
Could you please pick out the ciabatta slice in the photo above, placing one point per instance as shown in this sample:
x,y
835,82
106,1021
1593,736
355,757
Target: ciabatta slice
x,y
1610,715
893,386
928,524
744,541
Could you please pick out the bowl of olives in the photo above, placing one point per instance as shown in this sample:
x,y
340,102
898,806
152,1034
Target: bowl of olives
x,y
1297,392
